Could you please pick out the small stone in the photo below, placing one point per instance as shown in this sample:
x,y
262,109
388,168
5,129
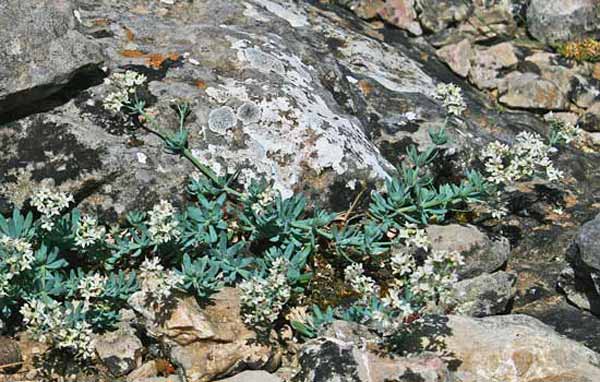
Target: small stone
x,y
10,354
402,14
482,254
120,350
590,120
458,57
529,91
484,295
253,376
147,370
486,64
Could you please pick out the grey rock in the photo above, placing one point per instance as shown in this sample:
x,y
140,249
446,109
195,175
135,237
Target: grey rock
x,y
588,244
487,63
253,376
328,359
534,351
437,15
40,50
530,91
482,254
580,280
554,21
457,56
590,120
484,295
120,350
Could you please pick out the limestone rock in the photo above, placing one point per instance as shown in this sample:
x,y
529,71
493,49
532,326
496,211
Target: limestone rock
x,y
120,350
329,359
484,295
487,63
515,348
590,120
253,376
40,50
554,21
529,91
211,341
458,57
482,254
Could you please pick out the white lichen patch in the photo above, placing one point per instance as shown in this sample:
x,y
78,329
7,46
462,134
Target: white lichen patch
x,y
286,10
288,123
379,61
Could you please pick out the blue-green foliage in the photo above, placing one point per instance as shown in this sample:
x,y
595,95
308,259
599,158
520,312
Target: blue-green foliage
x,y
227,235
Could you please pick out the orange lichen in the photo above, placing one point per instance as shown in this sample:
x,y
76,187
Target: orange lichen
x,y
129,33
201,84
155,60
131,53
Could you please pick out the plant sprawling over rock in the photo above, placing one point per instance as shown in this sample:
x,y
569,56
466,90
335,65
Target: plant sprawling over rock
x,y
64,275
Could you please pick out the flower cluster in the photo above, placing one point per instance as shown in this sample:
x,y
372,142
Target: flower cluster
x,y
49,322
451,97
527,157
266,198
435,278
263,299
91,286
158,284
362,284
163,223
16,254
124,86
88,232
50,204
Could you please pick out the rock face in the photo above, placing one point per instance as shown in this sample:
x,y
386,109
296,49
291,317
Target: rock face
x,y
553,21
516,348
482,254
40,51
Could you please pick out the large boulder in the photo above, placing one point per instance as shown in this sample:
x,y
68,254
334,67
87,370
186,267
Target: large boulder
x,y
515,348
555,21
329,359
40,52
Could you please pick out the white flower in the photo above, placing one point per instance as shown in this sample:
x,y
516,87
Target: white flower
x,y
88,232
157,284
91,286
162,224
451,97
124,85
528,156
50,204
263,299
360,283
16,253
